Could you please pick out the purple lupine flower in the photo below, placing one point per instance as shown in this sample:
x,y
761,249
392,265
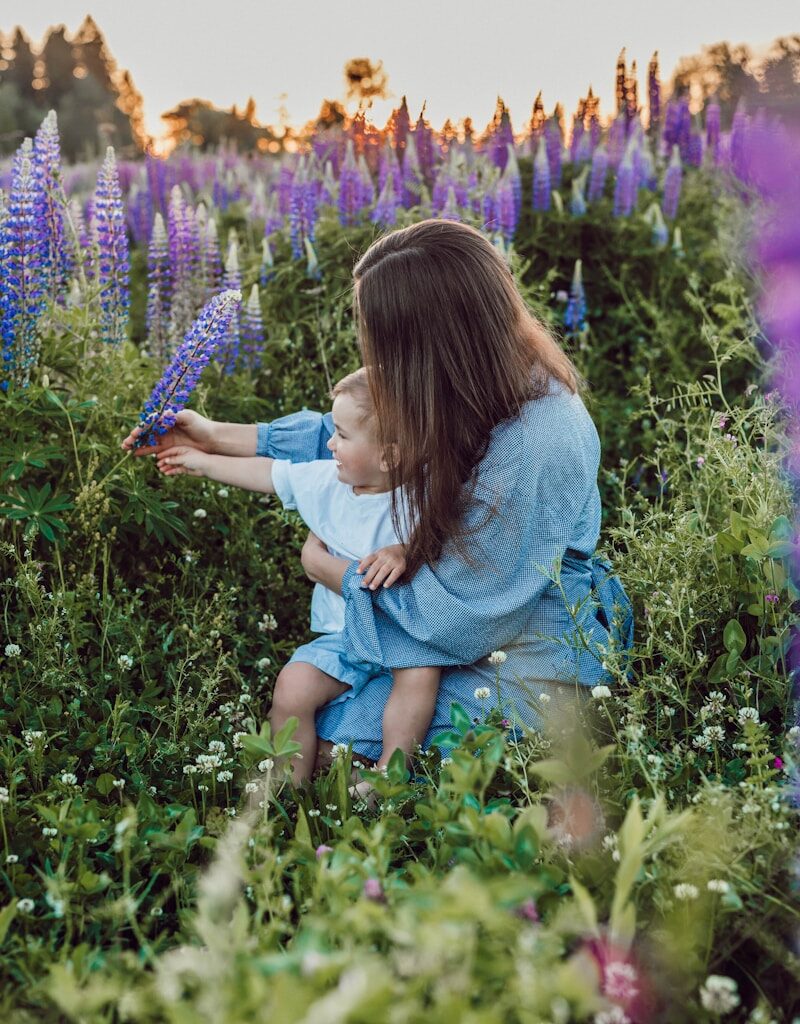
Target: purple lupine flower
x,y
401,125
184,255
231,282
503,138
267,271
252,328
47,167
512,170
672,184
349,188
284,190
553,144
440,187
201,342
157,177
713,123
112,253
625,186
541,178
617,140
507,216
450,211
578,132
385,211
412,180
597,179
273,221
694,150
366,196
423,143
158,289
672,124
575,311
23,271
210,258
296,219
140,214
387,165
653,96
489,213
739,128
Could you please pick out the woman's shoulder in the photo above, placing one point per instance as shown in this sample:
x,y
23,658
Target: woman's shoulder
x,y
557,419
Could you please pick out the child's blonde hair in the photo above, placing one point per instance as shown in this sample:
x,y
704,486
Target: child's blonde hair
x,y
356,385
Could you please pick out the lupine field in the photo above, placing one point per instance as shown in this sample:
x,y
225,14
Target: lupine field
x,y
155,863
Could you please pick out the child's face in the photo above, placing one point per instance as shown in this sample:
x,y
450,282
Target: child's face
x,y
358,457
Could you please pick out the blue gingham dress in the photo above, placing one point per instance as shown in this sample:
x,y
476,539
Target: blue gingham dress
x,y
539,475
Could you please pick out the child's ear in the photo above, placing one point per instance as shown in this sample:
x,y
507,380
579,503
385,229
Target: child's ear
x,y
389,458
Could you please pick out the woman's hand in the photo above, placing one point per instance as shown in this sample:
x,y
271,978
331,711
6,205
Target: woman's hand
x,y
182,460
384,566
191,430
321,566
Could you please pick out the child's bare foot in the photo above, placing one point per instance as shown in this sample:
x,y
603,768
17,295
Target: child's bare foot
x,y
365,791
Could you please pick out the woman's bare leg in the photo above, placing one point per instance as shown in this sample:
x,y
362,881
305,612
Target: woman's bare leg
x,y
300,690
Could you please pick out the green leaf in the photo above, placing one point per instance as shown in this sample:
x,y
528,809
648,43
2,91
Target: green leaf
x,y
585,905
733,637
460,719
7,915
302,832
105,784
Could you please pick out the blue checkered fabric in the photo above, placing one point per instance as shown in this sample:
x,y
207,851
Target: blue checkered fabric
x,y
539,593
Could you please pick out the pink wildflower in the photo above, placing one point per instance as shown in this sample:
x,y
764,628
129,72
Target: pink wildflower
x,y
772,598
373,890
323,849
778,763
527,911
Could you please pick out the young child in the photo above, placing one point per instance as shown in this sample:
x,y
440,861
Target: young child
x,y
345,501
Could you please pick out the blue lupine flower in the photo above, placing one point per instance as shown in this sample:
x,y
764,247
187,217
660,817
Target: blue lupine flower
x,y
451,210
296,219
158,289
577,203
412,179
47,166
112,253
232,282
625,186
575,312
713,123
672,184
489,213
210,258
23,271
617,140
252,327
201,342
512,170
553,143
541,178
184,256
273,221
597,180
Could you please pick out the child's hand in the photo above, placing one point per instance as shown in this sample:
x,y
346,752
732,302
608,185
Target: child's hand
x,y
384,566
182,460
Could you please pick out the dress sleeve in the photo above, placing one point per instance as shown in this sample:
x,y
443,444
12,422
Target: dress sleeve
x,y
529,510
298,437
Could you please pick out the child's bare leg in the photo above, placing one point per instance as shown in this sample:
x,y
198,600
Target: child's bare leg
x,y
300,690
409,710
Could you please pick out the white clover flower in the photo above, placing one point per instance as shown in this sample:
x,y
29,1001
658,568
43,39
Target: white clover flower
x,y
339,750
223,492
717,885
670,711
497,657
251,787
202,788
268,622
616,1015
482,693
314,813
545,698
216,747
719,994
746,715
13,650
125,662
69,778
714,733
237,740
225,776
49,833
266,765
118,784
31,737
25,906
446,761
686,891
600,692
793,735
12,858
263,664
200,513
4,797
231,812
190,769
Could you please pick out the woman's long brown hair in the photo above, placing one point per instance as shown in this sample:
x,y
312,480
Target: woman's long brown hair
x,y
453,350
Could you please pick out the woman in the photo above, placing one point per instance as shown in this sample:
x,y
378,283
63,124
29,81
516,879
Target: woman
x,y
498,459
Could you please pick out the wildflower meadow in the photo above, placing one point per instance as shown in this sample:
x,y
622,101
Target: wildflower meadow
x,y
156,863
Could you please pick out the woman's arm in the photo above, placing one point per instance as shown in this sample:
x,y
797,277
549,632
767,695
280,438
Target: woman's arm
x,y
299,437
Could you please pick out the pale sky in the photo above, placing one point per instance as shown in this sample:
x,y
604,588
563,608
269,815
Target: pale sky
x,y
459,55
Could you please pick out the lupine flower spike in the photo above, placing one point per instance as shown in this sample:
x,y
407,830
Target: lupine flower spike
x,y
541,178
111,235
672,185
252,327
201,342
575,313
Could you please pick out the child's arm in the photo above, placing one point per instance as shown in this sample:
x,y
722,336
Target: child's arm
x,y
253,474
384,566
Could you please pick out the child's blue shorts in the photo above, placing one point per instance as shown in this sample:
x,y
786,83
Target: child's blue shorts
x,y
327,653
